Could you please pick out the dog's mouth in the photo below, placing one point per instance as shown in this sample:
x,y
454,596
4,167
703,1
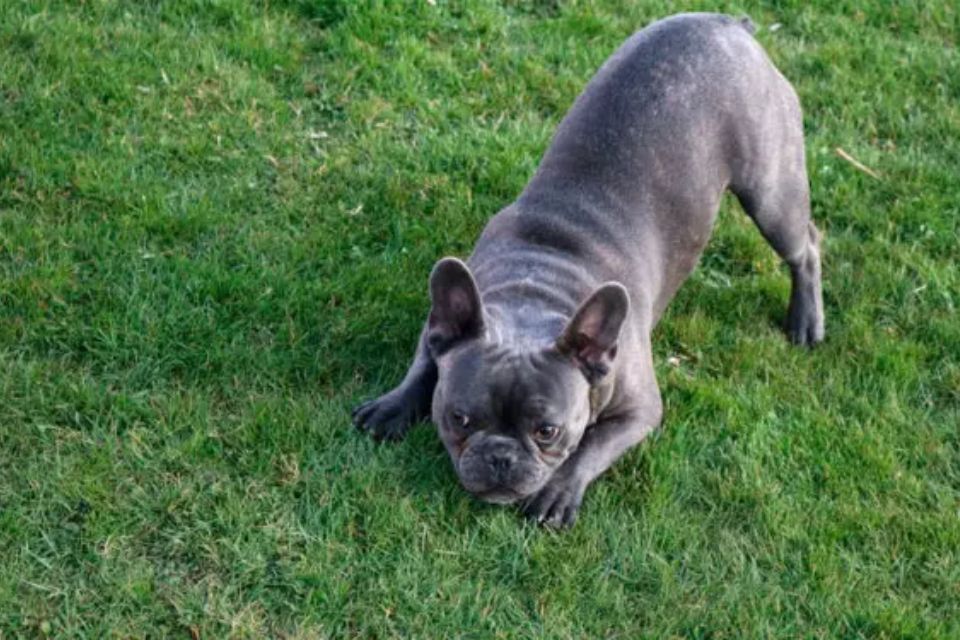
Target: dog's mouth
x,y
485,484
499,495
495,492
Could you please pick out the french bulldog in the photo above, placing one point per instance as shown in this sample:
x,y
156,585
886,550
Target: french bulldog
x,y
535,361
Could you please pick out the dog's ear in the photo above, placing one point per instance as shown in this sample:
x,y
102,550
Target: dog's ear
x,y
456,312
590,338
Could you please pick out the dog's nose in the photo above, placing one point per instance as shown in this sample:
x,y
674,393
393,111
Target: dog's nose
x,y
501,461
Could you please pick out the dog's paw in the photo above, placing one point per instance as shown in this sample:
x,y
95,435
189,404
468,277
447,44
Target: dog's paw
x,y
805,324
557,504
388,417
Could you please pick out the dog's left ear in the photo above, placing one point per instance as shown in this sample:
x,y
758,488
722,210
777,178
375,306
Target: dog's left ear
x,y
456,312
590,338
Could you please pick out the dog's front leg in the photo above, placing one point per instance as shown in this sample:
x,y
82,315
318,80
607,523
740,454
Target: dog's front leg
x,y
390,416
557,503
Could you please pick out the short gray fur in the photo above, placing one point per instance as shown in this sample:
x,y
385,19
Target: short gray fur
x,y
535,362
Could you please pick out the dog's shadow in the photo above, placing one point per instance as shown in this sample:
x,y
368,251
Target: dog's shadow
x,y
424,462
424,469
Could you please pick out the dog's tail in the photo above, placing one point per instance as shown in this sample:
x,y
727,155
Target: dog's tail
x,y
747,24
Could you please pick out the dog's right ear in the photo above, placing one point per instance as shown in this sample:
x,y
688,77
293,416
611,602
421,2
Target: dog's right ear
x,y
591,336
456,312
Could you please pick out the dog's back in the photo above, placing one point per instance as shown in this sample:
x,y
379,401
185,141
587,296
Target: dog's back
x,y
633,178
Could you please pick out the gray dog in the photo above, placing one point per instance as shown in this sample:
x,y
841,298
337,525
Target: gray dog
x,y
535,362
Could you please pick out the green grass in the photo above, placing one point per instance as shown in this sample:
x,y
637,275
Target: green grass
x,y
216,224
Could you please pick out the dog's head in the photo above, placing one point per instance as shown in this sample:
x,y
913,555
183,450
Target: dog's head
x,y
509,417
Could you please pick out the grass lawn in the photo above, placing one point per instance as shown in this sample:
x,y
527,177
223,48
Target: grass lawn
x,y
217,219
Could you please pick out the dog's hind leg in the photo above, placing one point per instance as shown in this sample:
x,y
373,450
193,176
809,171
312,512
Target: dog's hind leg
x,y
774,191
782,213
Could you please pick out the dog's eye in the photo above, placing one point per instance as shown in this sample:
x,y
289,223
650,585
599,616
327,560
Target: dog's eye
x,y
459,419
546,433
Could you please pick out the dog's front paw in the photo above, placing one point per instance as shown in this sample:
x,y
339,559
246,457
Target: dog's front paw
x,y
388,417
556,504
